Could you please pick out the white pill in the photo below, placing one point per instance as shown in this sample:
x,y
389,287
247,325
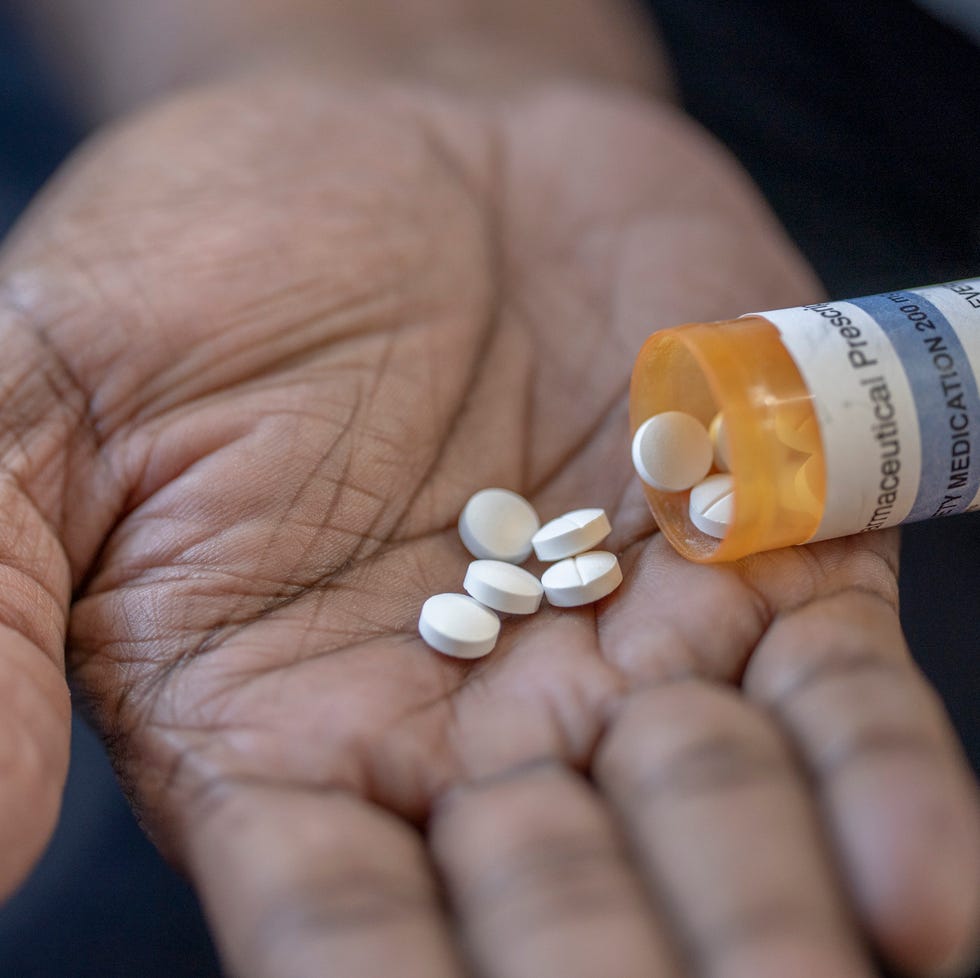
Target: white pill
x,y
672,451
582,579
497,524
712,505
571,534
458,626
503,587
719,443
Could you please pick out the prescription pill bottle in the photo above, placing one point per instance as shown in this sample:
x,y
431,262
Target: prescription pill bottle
x,y
840,417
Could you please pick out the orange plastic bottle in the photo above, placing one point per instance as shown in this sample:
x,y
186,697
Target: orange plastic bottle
x,y
840,417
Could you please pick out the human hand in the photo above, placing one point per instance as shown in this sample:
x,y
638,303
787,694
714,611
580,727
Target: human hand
x,y
262,346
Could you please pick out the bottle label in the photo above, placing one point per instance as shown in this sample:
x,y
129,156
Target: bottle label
x,y
895,384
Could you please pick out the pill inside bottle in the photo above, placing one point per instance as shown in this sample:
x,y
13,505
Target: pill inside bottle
x,y
832,418
742,372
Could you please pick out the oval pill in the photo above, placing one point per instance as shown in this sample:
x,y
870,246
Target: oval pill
x,y
573,533
719,443
503,587
456,625
497,524
582,580
712,505
672,451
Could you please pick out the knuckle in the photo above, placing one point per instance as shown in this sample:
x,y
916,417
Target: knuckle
x,y
547,881
688,740
530,852
330,908
340,902
781,921
875,741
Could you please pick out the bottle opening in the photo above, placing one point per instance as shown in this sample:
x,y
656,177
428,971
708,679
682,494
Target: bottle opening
x,y
740,370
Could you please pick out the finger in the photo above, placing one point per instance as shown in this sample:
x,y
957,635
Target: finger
x,y
35,720
35,711
302,883
890,774
36,428
723,826
541,883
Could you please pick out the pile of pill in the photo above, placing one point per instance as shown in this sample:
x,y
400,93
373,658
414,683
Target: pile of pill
x,y
500,529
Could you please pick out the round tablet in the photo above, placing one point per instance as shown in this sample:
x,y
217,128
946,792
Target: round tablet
x,y
719,443
456,625
497,524
582,579
672,451
571,534
503,587
712,505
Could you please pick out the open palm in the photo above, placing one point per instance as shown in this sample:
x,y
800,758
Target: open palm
x,y
265,344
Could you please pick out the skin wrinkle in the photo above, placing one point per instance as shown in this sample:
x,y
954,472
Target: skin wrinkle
x,y
86,586
333,885
66,388
875,571
69,402
667,633
893,743
351,902
484,339
104,309
831,662
169,381
582,758
530,386
451,793
719,763
269,374
495,193
66,391
562,855
764,618
189,757
785,919
287,596
832,669
341,906
606,414
513,277
17,565
811,595
205,786
136,501
568,865
693,665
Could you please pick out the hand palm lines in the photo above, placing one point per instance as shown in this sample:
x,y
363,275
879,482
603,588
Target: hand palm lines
x,y
284,583
285,597
251,622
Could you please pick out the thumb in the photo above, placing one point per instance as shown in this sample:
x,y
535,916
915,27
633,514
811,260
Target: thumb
x,y
40,419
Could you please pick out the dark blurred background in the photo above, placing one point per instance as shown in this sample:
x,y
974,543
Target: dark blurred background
x,y
860,120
